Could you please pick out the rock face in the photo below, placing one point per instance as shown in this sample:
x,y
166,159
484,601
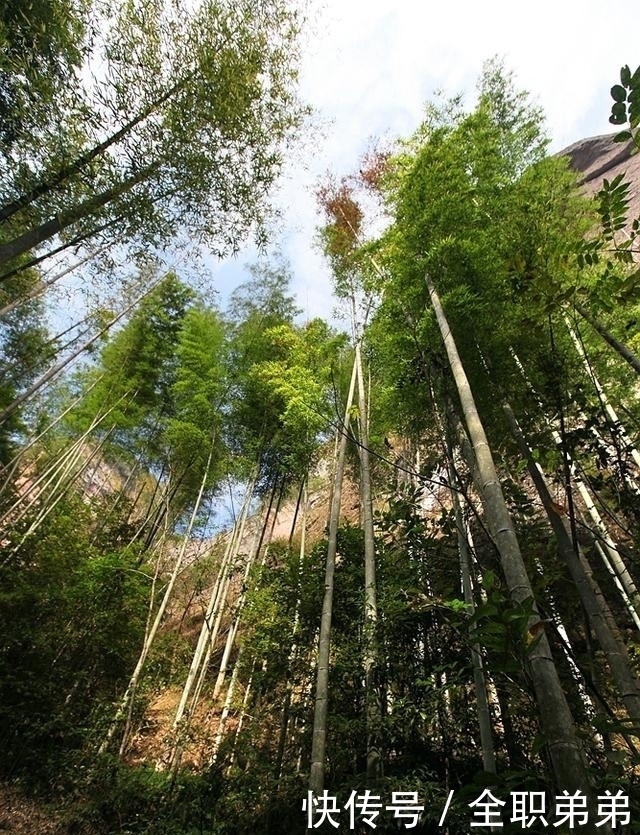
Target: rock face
x,y
600,158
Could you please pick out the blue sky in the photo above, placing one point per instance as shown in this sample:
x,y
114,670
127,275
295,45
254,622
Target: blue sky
x,y
369,68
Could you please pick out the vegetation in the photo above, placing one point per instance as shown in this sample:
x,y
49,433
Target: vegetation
x,y
428,582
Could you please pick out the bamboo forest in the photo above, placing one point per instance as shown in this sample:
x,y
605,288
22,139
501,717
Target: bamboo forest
x,y
265,572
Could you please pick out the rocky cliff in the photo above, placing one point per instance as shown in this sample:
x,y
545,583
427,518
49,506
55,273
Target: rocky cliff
x,y
600,158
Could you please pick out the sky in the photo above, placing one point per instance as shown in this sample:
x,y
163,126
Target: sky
x,y
370,66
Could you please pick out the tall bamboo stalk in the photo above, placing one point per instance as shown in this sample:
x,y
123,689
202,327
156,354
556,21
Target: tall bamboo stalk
x,y
221,611
239,606
619,347
55,471
320,714
61,488
10,468
557,722
303,499
43,286
616,424
606,547
614,557
226,709
372,695
211,621
62,364
243,712
479,682
130,692
598,612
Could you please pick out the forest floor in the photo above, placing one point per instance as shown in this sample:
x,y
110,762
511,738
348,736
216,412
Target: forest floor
x,y
22,815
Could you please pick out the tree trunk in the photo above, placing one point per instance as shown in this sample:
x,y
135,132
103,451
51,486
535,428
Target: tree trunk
x,y
66,479
557,722
218,594
614,557
239,606
479,683
43,286
46,483
56,369
599,615
607,548
243,713
9,470
226,709
130,692
75,167
319,740
303,499
616,580
620,348
373,702
616,424
39,234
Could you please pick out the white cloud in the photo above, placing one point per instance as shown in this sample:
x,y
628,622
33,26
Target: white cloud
x,y
370,67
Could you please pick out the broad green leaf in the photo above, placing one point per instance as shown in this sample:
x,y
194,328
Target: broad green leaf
x,y
618,93
618,114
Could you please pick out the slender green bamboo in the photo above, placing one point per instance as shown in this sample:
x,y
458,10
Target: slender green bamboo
x,y
619,347
556,720
373,701
319,739
130,692
600,616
